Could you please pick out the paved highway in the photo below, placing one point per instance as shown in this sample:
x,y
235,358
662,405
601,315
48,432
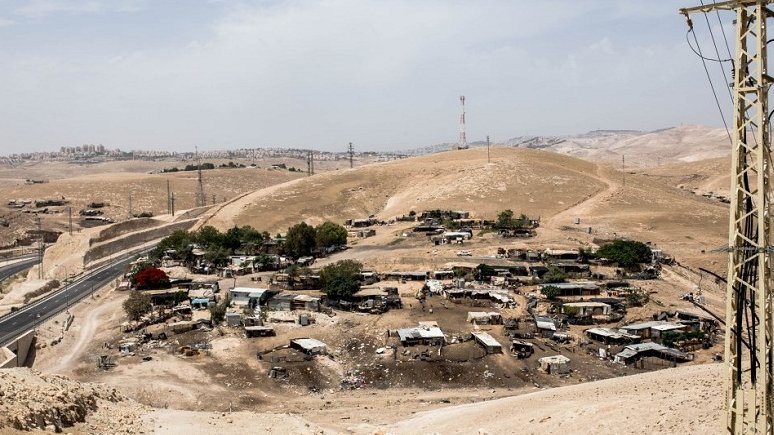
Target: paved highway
x,y
18,322
20,266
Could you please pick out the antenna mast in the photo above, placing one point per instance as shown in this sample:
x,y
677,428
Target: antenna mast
x,y
748,339
351,152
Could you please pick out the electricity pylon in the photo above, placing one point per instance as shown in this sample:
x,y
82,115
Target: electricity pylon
x,y
748,347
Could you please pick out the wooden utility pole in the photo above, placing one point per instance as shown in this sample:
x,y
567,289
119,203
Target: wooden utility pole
x,y
748,340
169,200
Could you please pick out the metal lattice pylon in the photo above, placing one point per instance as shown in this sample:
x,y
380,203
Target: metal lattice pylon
x,y
748,349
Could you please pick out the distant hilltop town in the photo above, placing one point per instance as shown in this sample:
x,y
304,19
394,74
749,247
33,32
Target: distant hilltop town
x,y
95,153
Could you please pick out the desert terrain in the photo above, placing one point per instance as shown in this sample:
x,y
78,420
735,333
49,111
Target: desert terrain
x,y
225,388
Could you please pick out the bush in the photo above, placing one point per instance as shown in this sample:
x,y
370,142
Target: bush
x,y
550,291
626,253
482,272
218,311
505,220
341,280
137,305
554,275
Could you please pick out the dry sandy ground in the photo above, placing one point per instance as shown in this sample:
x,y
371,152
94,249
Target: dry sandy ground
x,y
174,422
685,400
517,178
148,194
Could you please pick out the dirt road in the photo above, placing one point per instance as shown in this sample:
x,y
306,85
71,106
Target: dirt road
x,y
86,331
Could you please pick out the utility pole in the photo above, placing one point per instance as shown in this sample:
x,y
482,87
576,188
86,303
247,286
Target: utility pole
x,y
748,339
40,248
487,149
200,198
351,151
172,203
623,169
308,163
169,200
70,219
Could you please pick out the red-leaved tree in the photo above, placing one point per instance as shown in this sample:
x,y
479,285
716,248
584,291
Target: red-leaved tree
x,y
151,278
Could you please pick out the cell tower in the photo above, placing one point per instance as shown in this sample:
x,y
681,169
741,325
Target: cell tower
x,y
748,338
463,139
201,200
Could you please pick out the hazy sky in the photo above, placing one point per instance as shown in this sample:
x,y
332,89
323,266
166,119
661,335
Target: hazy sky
x,y
384,74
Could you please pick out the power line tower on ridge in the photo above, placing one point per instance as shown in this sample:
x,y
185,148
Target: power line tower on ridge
x,y
748,338
201,200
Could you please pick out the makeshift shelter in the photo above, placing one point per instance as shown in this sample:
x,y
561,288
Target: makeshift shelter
x,y
557,364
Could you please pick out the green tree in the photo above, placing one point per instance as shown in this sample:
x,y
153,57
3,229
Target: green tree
x,y
451,224
218,311
137,305
504,219
217,256
209,236
554,275
550,291
262,261
330,234
341,280
482,272
626,253
584,255
300,240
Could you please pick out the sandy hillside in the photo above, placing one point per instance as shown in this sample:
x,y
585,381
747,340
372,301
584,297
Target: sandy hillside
x,y
517,178
148,193
685,400
688,143
704,176
556,188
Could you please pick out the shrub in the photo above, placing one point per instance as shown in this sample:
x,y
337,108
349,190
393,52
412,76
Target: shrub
x,y
550,291
218,311
554,275
482,272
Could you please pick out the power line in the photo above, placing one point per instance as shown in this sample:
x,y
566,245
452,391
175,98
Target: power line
x,y
717,52
709,78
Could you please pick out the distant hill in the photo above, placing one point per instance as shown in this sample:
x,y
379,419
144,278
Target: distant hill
x,y
687,143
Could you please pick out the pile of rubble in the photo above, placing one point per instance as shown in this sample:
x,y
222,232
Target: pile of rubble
x,y
33,401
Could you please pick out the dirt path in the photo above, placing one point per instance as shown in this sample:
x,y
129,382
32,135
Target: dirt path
x,y
586,205
86,332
